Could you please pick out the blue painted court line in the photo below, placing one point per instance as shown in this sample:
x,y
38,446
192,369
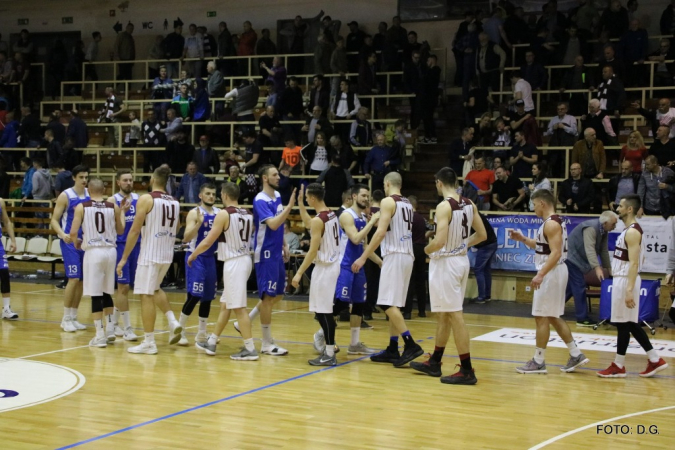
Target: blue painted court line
x,y
206,405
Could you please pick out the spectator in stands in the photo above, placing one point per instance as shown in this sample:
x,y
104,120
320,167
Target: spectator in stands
x,y
634,45
174,124
534,74
265,46
71,156
367,49
494,28
562,128
586,17
484,131
247,95
632,6
42,189
134,129
201,106
54,149
336,180
26,165
183,103
276,74
460,150
367,81
667,23
520,120
490,62
612,95
398,140
193,48
77,129
576,193
29,131
226,160
270,128
125,50
216,85
235,177
589,153
291,159
10,135
253,153
539,180
344,153
225,48
316,155
655,189
156,53
317,123
380,37
468,46
508,192
355,40
477,102
522,156
516,31
179,151
663,115
578,77
188,190
319,96
430,93
483,179
162,89
344,106
522,91
205,157
247,41
379,161
291,107
63,179
482,268
24,45
496,164
663,72
571,46
663,148
501,137
361,131
7,71
291,239
210,45
624,183
614,20
600,122
586,244
553,20
634,151
152,137
323,53
90,56
609,59
174,45
411,47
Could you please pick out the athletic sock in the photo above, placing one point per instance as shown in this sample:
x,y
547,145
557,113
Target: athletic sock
x,y
66,312
150,338
254,313
620,360
116,316
73,313
465,361
126,318
170,317
653,356
574,350
5,303
202,324
213,339
330,351
183,320
356,335
248,343
266,333
109,325
539,355
437,354
393,343
98,324
407,339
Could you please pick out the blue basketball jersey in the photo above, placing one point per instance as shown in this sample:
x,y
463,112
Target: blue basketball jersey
x,y
350,251
69,213
268,243
204,229
129,216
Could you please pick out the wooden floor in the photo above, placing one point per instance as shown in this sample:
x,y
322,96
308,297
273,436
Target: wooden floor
x,y
183,399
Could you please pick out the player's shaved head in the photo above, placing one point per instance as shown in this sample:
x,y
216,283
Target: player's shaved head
x,y
96,186
231,190
161,174
394,179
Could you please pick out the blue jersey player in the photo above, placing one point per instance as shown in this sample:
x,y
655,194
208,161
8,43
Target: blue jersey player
x,y
125,196
351,287
270,252
7,312
202,276
62,220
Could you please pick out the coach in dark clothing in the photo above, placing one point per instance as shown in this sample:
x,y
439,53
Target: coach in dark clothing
x,y
482,267
576,192
417,287
77,129
663,147
459,150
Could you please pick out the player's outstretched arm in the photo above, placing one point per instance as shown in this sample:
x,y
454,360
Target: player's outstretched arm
x,y
275,222
306,218
77,223
387,209
193,221
119,219
220,224
519,237
354,235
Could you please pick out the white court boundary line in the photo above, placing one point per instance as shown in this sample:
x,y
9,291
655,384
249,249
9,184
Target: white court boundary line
x,y
602,422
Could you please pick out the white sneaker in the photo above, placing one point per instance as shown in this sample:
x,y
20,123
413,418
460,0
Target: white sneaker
x,y
78,325
319,342
201,336
183,342
129,334
98,342
110,335
273,349
67,325
119,332
145,348
175,333
9,314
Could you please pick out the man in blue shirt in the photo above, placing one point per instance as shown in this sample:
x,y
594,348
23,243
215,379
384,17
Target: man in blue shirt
x,y
27,186
190,184
380,161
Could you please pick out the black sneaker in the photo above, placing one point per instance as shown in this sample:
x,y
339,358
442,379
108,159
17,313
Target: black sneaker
x,y
62,285
586,323
387,356
367,317
365,325
461,377
430,367
422,314
409,353
407,316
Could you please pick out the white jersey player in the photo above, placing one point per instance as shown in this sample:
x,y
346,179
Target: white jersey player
x,y
157,214
549,284
100,223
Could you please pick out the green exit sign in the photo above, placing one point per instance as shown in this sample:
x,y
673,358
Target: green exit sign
x,y
66,20
210,14
23,21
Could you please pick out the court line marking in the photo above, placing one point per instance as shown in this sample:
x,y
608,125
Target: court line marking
x,y
602,422
211,403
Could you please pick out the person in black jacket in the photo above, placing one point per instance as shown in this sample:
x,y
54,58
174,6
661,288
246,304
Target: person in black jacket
x,y
319,95
173,45
205,157
576,193
317,122
430,93
291,107
632,180
577,77
482,267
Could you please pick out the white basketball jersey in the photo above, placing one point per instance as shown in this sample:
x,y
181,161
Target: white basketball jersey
x,y
459,228
98,225
159,231
543,250
620,261
399,235
237,239
329,249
